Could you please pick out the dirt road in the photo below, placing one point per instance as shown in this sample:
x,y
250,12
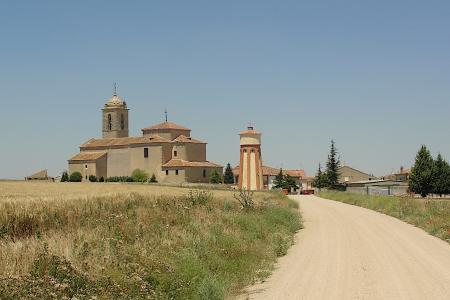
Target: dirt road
x,y
348,252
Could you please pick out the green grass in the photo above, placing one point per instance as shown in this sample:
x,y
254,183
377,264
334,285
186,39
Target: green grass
x,y
135,246
431,215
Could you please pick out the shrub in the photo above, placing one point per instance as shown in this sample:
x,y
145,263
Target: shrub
x,y
139,175
216,178
75,177
245,198
153,179
102,179
198,197
64,177
92,178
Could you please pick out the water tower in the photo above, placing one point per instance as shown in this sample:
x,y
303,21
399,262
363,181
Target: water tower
x,y
250,167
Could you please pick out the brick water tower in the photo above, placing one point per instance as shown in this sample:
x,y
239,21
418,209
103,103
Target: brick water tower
x,y
250,167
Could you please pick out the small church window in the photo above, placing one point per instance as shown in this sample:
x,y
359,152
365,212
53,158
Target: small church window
x,y
204,173
167,172
175,153
176,172
85,166
145,152
109,122
122,122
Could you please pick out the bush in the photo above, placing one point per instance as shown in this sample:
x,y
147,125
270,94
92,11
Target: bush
x,y
216,178
75,177
119,179
139,175
92,178
64,177
102,179
198,197
245,198
153,179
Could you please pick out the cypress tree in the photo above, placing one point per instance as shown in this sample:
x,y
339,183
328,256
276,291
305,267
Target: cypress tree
x,y
441,176
321,179
228,177
421,179
333,165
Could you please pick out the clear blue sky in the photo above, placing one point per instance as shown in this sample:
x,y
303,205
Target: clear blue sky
x,y
373,75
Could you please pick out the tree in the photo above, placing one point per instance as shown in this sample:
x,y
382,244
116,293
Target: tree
x,y
321,179
139,175
102,179
228,177
279,182
289,182
441,176
333,165
64,177
421,179
216,178
153,179
75,177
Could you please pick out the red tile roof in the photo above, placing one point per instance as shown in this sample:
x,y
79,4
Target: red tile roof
x,y
184,163
127,141
165,126
87,156
186,139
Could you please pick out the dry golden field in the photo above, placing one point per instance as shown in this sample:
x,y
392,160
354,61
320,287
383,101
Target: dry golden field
x,y
136,241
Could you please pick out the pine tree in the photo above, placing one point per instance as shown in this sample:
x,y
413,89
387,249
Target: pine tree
x,y
321,179
441,176
333,165
421,179
228,177
279,182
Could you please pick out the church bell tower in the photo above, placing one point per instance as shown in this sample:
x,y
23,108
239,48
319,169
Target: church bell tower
x,y
250,173
115,117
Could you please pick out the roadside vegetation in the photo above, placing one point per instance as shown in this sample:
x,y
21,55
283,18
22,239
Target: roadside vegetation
x,y
431,215
185,244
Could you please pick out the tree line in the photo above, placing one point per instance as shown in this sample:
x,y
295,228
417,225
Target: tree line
x,y
429,175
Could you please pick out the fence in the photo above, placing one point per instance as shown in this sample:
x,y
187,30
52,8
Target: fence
x,y
379,190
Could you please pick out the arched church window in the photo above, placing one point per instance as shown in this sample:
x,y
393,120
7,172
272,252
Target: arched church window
x,y
109,122
122,122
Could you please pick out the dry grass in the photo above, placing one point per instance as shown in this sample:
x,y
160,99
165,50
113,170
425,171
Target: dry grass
x,y
136,241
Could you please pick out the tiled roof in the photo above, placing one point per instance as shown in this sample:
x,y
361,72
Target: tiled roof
x,y
166,125
40,174
127,141
250,132
269,171
88,156
184,163
185,139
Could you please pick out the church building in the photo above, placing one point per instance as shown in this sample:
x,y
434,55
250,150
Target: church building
x,y
166,150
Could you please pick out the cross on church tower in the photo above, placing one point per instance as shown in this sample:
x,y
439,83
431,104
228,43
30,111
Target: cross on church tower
x,y
165,113
115,89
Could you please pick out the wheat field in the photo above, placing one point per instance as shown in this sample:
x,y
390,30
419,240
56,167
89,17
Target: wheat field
x,y
136,241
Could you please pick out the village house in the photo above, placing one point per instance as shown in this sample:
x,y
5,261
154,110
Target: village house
x,y
348,174
166,150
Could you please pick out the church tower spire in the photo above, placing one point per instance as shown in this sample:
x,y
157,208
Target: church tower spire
x,y
115,117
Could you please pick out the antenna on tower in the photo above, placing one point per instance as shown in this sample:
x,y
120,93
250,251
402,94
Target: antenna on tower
x,y
165,112
115,89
